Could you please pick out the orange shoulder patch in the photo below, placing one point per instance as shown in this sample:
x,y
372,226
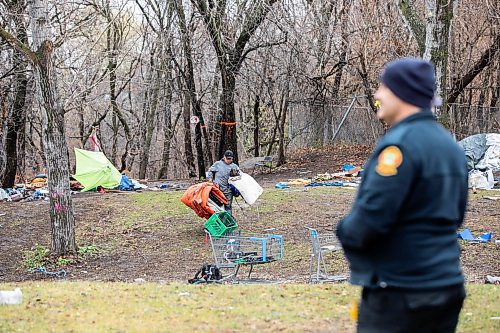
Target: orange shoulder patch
x,y
388,161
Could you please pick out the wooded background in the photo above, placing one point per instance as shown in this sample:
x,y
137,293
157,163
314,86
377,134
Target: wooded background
x,y
263,77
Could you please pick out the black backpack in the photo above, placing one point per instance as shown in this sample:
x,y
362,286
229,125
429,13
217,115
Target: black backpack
x,y
206,274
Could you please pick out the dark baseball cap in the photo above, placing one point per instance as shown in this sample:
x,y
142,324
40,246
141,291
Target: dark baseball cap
x,y
228,153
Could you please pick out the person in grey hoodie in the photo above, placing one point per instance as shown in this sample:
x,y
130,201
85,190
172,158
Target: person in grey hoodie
x,y
220,172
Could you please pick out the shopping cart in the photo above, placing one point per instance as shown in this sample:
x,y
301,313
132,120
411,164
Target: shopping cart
x,y
323,244
234,250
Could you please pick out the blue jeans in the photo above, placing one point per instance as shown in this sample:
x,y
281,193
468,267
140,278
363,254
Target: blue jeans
x,y
229,206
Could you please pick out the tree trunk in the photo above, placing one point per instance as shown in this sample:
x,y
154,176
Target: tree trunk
x,y
230,59
494,114
186,115
228,130
281,143
276,129
150,114
113,40
191,86
482,109
198,141
112,88
410,16
15,123
56,151
256,129
439,14
168,128
17,117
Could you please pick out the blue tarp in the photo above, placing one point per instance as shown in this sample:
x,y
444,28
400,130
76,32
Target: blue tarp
x,y
348,167
467,235
126,184
325,184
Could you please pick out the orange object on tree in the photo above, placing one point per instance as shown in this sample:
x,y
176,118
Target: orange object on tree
x,y
196,197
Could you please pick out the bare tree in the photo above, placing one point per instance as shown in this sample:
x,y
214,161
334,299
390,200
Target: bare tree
x,y
188,75
231,52
437,28
56,151
17,115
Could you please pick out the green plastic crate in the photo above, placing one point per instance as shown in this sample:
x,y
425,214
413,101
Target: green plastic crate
x,y
220,223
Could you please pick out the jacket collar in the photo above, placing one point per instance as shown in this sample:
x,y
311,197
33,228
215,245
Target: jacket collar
x,y
424,114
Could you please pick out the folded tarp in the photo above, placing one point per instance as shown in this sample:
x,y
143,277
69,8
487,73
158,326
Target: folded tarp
x,y
197,197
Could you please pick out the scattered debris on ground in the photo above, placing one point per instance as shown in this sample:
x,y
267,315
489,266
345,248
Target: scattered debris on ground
x,y
149,233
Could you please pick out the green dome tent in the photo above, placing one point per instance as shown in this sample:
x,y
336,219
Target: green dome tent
x,y
94,169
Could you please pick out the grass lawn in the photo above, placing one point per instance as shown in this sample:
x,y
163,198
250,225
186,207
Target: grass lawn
x,y
121,307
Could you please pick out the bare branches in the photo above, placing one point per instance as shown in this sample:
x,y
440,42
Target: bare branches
x,y
18,45
252,21
254,48
484,61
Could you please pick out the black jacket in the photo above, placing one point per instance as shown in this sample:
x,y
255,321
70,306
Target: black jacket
x,y
401,231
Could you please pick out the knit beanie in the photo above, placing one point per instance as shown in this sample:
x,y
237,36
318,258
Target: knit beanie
x,y
412,80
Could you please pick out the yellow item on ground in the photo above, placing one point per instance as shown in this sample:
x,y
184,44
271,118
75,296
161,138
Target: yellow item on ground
x,y
39,182
353,311
298,181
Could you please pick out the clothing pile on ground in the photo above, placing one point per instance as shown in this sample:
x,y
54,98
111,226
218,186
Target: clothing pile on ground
x,y
349,177
483,160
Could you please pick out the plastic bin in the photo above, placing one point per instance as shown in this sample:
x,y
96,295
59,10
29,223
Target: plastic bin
x,y
220,223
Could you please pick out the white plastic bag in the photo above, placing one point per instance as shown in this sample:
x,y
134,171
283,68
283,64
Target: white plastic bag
x,y
250,190
478,180
9,297
3,195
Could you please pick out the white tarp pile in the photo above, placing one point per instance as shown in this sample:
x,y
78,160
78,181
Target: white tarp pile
x,y
483,159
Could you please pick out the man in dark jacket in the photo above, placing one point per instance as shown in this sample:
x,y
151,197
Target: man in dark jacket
x,y
220,172
400,236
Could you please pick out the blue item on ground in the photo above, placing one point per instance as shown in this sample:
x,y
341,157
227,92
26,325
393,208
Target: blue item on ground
x,y
314,184
59,274
486,236
348,167
281,185
126,184
467,235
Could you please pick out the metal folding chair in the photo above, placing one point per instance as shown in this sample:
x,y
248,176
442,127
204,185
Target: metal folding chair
x,y
322,245
267,162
